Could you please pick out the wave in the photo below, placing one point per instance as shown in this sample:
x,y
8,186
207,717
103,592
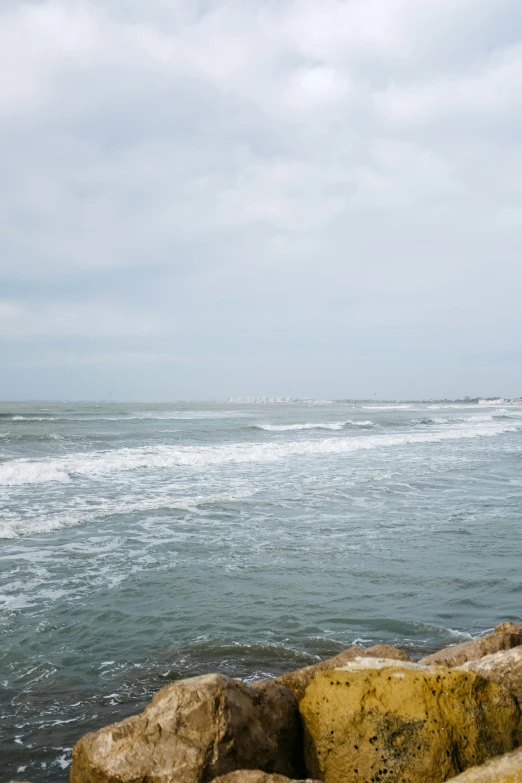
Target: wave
x,y
124,417
18,437
31,418
429,421
333,425
108,508
390,407
188,415
96,465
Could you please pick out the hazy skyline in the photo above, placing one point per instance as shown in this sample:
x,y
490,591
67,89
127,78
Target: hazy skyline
x,y
208,199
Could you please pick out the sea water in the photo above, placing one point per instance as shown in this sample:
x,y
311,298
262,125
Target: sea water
x,y
140,544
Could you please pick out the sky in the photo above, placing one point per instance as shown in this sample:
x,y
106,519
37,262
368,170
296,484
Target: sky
x,y
212,198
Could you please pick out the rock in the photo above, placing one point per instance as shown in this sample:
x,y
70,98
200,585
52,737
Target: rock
x,y
504,637
193,731
396,722
504,769
298,681
256,776
504,668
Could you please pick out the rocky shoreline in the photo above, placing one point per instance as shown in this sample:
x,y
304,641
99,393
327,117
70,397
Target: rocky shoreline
x,y
365,716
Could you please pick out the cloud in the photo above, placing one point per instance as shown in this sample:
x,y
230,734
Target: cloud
x,y
92,319
110,359
249,161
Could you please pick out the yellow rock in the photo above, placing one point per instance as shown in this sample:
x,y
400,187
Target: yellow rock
x,y
384,721
298,681
504,769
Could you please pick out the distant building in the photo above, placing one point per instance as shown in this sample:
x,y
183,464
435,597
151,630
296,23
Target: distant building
x,y
491,401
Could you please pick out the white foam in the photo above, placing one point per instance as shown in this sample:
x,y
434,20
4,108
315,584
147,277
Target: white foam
x,y
13,603
456,405
64,760
389,407
333,425
94,465
459,634
23,471
73,517
32,418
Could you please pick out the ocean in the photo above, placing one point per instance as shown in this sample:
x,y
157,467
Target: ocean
x,y
140,544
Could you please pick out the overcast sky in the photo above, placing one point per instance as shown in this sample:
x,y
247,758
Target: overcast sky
x,y
203,198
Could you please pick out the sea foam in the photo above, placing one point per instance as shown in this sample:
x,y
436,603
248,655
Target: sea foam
x,y
97,464
332,425
112,507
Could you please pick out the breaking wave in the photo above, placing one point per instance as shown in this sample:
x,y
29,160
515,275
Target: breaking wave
x,y
333,425
94,465
107,508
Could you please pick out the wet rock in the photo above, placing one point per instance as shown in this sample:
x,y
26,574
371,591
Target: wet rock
x,y
193,731
504,769
504,668
256,776
382,721
298,681
504,637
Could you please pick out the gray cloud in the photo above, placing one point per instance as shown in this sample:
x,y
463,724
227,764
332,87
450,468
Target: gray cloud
x,y
292,179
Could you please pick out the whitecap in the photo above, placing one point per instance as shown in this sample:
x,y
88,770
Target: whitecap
x,y
32,418
333,425
24,471
98,464
70,518
388,407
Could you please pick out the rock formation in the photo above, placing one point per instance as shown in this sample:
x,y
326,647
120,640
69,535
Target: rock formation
x,y
193,731
299,680
504,637
504,668
384,721
369,716
504,769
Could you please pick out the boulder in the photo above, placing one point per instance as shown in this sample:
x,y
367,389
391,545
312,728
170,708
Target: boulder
x,y
504,668
504,769
504,637
195,730
386,721
298,681
256,776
